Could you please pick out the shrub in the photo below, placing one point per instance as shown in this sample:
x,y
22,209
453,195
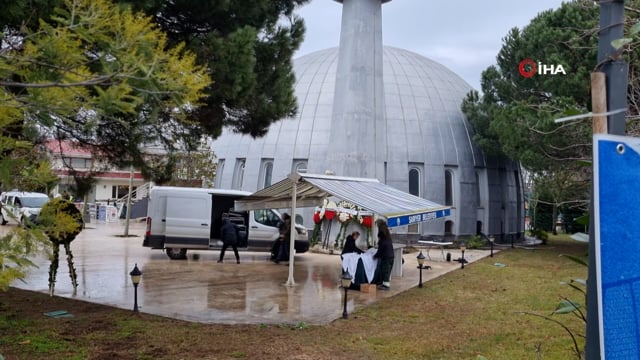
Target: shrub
x,y
475,242
540,235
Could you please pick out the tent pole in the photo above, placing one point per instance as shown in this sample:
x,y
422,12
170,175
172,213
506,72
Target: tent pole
x,y
292,237
374,231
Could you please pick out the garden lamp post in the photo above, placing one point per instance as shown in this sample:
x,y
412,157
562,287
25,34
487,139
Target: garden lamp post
x,y
491,240
346,283
420,258
135,279
463,247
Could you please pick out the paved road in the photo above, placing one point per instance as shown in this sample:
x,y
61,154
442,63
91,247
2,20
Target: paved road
x,y
199,289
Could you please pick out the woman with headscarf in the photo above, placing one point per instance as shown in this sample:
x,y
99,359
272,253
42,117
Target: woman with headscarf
x,y
384,255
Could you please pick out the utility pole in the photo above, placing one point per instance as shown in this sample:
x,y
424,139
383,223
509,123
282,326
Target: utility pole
x,y
609,93
128,203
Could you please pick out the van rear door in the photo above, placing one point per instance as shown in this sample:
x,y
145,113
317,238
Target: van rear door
x,y
188,219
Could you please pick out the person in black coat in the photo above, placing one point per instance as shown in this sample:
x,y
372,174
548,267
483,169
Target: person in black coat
x,y
284,239
229,237
384,255
350,244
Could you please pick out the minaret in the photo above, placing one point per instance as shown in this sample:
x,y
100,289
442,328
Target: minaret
x,y
358,126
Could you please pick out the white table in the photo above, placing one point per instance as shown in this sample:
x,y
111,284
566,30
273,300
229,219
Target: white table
x,y
396,270
350,261
435,243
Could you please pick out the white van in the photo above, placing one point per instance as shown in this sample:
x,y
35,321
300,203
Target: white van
x,y
180,218
21,207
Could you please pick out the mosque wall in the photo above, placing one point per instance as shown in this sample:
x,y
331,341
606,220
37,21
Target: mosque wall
x,y
425,131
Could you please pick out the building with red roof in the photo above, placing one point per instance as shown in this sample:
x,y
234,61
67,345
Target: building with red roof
x,y
111,183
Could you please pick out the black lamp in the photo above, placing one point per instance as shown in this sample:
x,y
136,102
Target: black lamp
x,y
346,283
491,241
421,266
463,247
135,274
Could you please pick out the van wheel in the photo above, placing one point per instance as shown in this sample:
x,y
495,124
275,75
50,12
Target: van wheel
x,y
176,253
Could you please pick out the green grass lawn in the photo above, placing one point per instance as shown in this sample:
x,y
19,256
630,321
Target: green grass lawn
x,y
463,314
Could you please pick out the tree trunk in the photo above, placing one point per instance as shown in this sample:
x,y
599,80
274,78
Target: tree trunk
x,y
554,219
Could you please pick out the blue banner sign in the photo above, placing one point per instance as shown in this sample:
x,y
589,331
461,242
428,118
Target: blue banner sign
x,y
416,218
617,233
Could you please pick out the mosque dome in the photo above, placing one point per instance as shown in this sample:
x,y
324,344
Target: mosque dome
x,y
428,152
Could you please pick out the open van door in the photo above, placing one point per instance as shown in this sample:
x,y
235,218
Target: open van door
x,y
187,221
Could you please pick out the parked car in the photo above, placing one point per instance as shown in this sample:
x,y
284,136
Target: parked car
x,y
21,207
180,218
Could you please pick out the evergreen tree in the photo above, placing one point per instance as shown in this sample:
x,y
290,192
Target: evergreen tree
x,y
248,48
92,72
514,116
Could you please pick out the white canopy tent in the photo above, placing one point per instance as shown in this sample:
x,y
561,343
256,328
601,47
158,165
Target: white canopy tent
x,y
309,190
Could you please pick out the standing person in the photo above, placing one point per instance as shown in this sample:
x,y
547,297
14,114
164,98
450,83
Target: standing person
x,y
229,237
384,255
285,239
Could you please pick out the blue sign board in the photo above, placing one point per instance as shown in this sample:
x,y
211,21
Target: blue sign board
x,y
617,234
394,221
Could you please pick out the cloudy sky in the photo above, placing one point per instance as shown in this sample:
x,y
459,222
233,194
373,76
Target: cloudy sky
x,y
464,35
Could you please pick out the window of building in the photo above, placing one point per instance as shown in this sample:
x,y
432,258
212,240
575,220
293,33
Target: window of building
x,y
219,170
448,188
238,174
478,227
385,173
78,163
414,189
118,191
299,165
478,198
448,227
414,182
266,172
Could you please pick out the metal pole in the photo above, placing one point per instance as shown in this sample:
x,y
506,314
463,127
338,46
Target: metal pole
x,y
462,260
344,311
615,72
135,297
420,283
292,238
128,204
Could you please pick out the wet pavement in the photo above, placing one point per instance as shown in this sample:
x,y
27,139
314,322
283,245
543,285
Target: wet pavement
x,y
199,289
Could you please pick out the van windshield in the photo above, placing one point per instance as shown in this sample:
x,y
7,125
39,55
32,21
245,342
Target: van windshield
x,y
33,202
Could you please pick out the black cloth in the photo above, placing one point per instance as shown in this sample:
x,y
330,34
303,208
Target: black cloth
x,y
350,246
228,233
283,250
285,229
385,248
360,277
383,271
275,249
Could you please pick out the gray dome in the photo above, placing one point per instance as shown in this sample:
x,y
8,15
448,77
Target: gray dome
x,y
425,130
